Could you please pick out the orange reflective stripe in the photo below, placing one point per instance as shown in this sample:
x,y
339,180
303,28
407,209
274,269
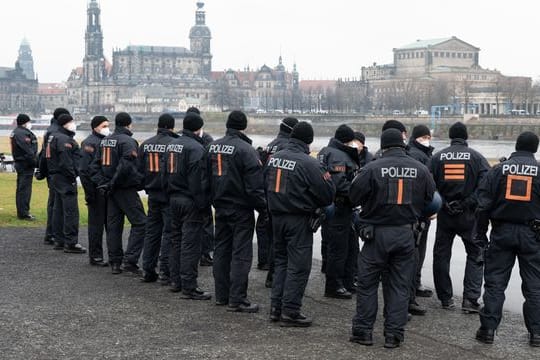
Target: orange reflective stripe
x,y
156,161
48,151
454,166
278,180
171,163
151,162
454,177
454,171
400,192
219,169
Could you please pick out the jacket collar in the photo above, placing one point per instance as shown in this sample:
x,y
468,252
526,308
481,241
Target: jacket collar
x,y
238,133
297,145
522,154
191,134
394,151
283,134
428,150
95,133
63,130
458,141
123,130
350,151
167,132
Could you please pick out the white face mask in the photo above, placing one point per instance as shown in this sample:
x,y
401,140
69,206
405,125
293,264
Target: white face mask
x,y
71,126
201,133
425,143
105,131
28,125
354,145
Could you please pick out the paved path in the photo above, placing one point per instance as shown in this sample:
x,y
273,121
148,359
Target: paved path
x,y
55,306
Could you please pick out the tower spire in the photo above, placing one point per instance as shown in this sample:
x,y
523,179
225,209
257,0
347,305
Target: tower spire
x,y
94,67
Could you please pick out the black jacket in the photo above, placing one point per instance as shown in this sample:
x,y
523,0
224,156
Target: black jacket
x,y
24,146
63,154
89,149
206,139
236,179
275,145
151,163
420,152
457,171
116,161
42,158
365,157
186,169
296,183
342,162
510,191
394,190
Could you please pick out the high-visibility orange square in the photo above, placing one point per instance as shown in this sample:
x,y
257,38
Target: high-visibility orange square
x,y
518,197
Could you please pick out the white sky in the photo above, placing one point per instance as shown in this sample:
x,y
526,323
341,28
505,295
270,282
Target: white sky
x,y
327,39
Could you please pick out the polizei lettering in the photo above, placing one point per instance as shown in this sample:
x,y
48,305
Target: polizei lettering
x,y
517,169
108,142
282,163
398,172
456,156
221,149
176,148
154,148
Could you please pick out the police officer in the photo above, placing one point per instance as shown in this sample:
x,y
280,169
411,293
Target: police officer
x,y
420,149
457,171
392,191
95,201
509,196
265,249
394,124
189,196
24,150
116,173
340,158
43,172
207,242
152,158
359,142
63,155
297,186
237,188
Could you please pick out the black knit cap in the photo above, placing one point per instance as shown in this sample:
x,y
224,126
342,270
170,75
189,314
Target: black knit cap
x,y
360,137
98,120
394,124
193,121
193,109
166,121
527,141
419,131
22,119
303,131
122,119
344,134
288,124
391,138
458,131
64,119
237,120
59,111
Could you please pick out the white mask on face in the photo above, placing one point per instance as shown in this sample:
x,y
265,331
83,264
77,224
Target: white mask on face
x,y
423,142
353,144
71,126
105,131
201,133
28,125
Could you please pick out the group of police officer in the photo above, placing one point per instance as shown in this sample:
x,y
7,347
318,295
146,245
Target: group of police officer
x,y
387,200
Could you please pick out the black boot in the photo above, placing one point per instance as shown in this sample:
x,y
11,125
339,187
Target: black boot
x,y
295,320
362,338
485,335
116,269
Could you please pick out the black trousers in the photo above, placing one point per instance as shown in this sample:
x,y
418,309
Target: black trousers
x,y
340,253
207,242
419,257
157,239
263,239
447,228
50,208
24,188
65,221
391,251
125,202
233,254
509,241
97,212
293,253
186,231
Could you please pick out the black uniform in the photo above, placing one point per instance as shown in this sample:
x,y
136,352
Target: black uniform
x,y
392,191
509,196
116,167
365,157
237,187
95,201
63,155
43,167
339,245
24,151
457,171
296,185
151,160
423,154
189,196
207,242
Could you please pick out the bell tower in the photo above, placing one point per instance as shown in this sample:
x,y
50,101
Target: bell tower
x,y
94,62
200,37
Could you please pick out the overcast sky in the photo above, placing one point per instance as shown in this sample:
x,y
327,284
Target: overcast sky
x,y
327,39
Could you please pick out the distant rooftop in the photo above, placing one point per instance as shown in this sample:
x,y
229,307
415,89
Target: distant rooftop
x,y
157,49
419,44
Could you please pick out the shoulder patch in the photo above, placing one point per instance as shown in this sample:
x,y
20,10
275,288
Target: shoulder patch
x,y
89,149
134,153
340,168
28,140
326,176
68,145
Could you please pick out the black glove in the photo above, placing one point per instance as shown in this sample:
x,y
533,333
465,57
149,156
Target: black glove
x,y
316,219
454,208
38,175
104,189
